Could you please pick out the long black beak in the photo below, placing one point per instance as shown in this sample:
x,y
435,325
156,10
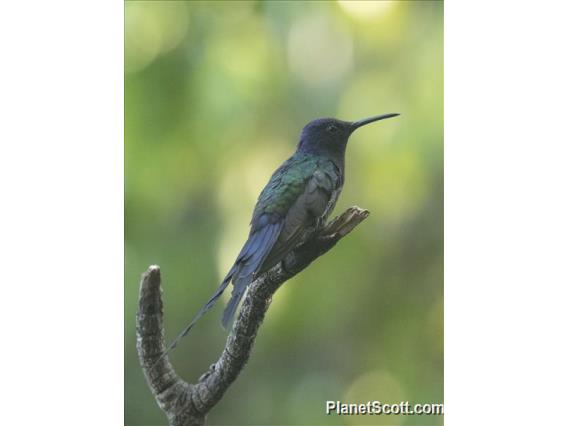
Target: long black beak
x,y
356,124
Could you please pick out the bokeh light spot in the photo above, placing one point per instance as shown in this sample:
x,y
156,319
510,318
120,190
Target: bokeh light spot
x,y
366,9
152,28
379,385
319,53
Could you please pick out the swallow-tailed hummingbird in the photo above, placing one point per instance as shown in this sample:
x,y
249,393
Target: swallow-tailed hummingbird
x,y
297,200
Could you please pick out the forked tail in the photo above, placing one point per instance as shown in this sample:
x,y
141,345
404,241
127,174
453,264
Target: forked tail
x,y
199,314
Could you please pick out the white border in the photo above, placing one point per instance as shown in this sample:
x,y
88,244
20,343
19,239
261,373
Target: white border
x,y
61,223
506,209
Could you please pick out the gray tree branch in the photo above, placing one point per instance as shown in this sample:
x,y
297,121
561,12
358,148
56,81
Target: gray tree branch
x,y
188,404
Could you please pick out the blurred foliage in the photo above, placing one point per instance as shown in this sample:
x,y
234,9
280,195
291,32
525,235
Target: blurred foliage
x,y
216,94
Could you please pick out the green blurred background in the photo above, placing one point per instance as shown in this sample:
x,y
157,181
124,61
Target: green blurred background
x,y
216,94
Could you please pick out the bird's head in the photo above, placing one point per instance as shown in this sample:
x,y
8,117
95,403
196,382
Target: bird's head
x,y
330,135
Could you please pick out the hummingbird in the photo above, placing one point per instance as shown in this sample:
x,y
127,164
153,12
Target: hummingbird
x,y
294,204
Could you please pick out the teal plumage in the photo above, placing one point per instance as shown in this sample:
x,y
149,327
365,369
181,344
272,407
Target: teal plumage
x,y
285,185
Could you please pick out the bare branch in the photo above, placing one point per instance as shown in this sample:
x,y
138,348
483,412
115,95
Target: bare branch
x,y
188,404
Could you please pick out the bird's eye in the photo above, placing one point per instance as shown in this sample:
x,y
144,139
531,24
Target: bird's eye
x,y
331,128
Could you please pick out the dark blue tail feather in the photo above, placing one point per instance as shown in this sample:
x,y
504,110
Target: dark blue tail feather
x,y
249,262
201,312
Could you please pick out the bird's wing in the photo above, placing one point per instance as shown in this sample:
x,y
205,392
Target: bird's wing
x,y
305,213
286,184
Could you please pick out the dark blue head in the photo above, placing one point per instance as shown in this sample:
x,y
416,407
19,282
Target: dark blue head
x,y
329,136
